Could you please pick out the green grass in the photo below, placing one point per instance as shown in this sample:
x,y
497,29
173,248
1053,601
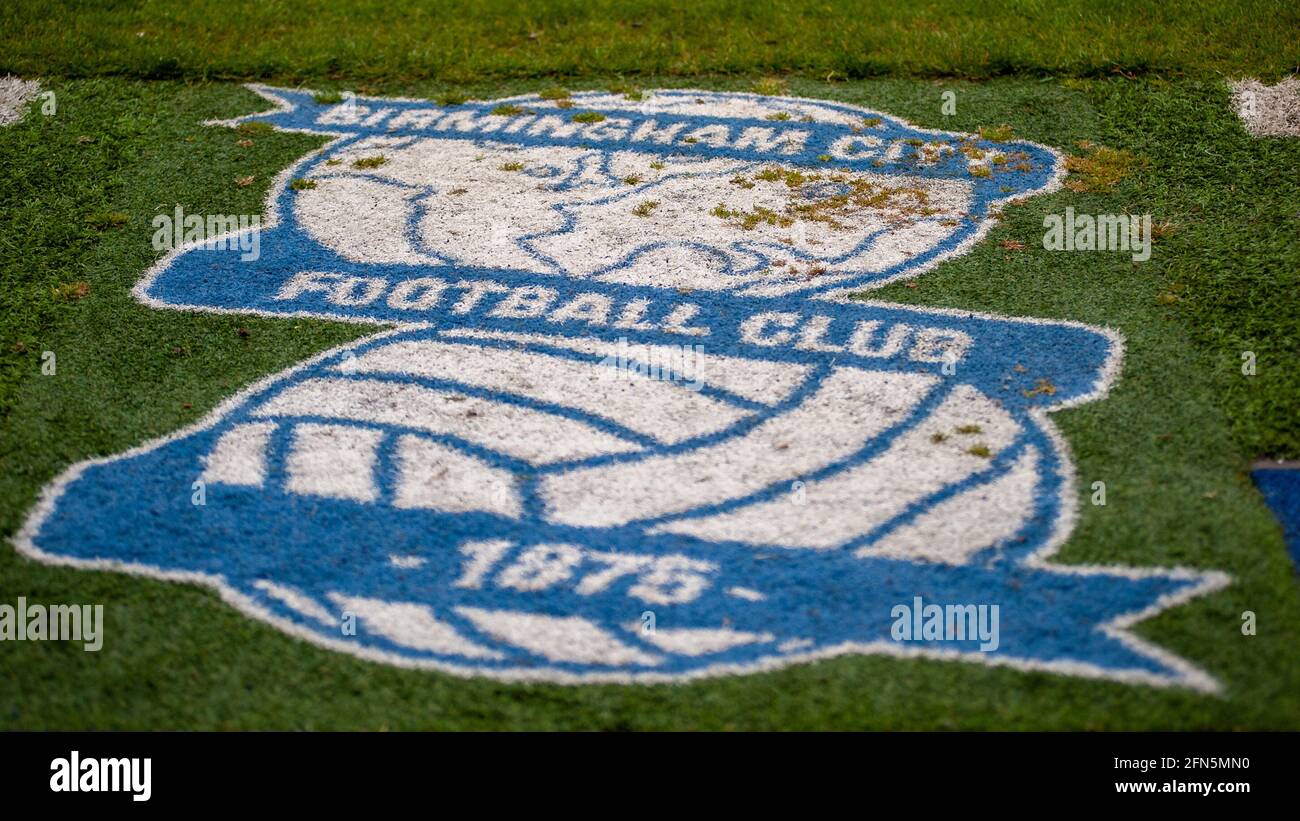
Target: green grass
x,y
469,41
1170,442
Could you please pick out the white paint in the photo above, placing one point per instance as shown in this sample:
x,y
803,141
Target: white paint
x,y
434,476
540,567
412,625
337,461
1268,111
476,207
375,230
755,380
296,600
239,457
531,435
863,403
15,94
666,411
690,641
558,638
855,501
957,528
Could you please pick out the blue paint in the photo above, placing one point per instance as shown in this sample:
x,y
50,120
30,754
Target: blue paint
x,y
137,509
1281,489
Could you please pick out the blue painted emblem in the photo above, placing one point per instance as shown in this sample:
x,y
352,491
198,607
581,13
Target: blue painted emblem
x,y
625,424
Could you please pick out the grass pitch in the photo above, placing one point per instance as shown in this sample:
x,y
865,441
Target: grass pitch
x,y
468,41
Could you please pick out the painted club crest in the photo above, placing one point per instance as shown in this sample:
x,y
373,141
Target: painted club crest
x,y
627,426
